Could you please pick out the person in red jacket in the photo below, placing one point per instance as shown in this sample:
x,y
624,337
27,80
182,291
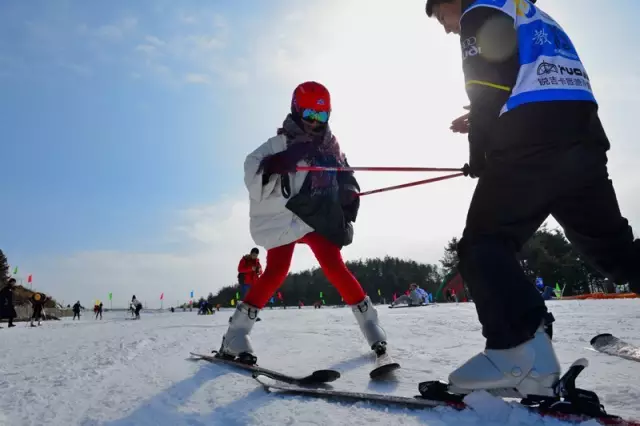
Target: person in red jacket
x,y
249,269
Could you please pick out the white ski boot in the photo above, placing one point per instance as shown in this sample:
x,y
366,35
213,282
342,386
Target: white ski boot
x,y
236,343
367,317
528,370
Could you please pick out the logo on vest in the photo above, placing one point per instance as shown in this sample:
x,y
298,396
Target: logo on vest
x,y
470,48
553,75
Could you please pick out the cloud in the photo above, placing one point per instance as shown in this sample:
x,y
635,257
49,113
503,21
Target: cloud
x,y
197,79
115,31
155,41
187,19
146,48
204,43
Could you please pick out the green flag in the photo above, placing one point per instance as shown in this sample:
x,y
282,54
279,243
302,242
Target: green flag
x,y
320,295
15,271
379,292
110,296
237,295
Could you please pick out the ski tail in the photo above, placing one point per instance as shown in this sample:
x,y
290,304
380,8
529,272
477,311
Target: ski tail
x,y
609,344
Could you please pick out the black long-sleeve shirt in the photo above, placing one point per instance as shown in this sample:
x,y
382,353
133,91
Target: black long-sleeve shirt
x,y
491,64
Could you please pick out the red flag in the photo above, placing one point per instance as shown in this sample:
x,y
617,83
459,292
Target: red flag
x,y
30,279
279,295
162,296
395,296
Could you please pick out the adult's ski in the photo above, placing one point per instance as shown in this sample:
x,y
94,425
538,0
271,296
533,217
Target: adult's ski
x,y
575,406
315,378
612,345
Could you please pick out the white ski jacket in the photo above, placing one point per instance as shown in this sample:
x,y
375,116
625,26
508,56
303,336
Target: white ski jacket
x,y
271,223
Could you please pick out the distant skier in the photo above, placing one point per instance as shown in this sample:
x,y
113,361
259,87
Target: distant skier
x,y
289,207
249,270
76,310
37,303
99,310
416,297
7,310
137,305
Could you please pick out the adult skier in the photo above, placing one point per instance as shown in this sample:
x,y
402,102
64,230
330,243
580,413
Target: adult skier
x,y
416,297
76,310
538,148
137,305
249,270
289,207
7,310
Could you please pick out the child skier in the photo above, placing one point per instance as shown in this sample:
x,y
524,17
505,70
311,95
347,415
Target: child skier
x,y
289,207
37,302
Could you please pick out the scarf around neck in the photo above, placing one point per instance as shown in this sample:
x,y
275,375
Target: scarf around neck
x,y
324,150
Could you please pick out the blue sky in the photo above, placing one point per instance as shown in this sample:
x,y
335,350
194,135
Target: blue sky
x,y
124,125
97,134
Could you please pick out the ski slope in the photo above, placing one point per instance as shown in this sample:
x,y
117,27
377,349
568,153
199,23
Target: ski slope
x,y
118,372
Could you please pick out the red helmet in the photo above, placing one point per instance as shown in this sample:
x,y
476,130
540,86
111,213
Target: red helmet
x,y
311,95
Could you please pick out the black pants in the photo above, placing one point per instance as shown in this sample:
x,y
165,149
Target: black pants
x,y
512,199
76,314
37,313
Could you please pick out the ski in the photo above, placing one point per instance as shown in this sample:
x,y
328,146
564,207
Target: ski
x,y
575,406
611,345
383,366
409,306
316,377
403,401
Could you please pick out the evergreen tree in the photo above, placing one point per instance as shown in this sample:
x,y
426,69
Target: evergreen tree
x,y
450,260
4,268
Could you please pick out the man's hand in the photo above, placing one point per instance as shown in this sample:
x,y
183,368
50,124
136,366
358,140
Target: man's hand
x,y
472,171
461,124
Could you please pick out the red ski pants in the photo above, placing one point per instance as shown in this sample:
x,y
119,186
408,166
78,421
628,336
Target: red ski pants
x,y
329,258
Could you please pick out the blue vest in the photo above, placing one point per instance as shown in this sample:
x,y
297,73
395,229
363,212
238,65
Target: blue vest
x,y
550,68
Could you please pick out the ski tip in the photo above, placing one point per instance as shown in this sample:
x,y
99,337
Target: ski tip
x,y
325,376
600,336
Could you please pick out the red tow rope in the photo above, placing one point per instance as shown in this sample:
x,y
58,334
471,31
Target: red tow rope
x,y
389,169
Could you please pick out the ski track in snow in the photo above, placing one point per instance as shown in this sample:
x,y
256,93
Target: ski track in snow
x,y
116,372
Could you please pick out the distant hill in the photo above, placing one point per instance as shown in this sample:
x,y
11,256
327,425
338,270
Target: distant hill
x,y
22,295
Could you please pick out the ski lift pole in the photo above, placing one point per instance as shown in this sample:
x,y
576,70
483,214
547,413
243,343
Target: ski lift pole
x,y
410,184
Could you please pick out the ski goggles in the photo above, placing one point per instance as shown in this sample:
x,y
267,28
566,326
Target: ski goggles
x,y
319,116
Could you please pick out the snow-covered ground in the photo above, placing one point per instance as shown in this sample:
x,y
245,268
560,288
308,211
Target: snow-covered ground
x,y
117,372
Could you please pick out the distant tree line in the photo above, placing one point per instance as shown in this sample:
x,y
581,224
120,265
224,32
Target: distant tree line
x,y
548,254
